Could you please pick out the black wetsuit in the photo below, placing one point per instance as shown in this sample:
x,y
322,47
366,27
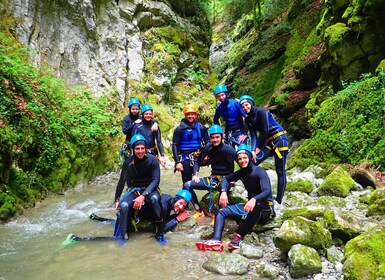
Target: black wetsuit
x,y
257,184
143,174
186,141
272,140
153,138
222,159
128,125
167,201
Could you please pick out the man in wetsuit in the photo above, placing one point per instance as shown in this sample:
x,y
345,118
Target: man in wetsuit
x,y
153,138
221,158
143,185
258,209
187,141
232,114
272,140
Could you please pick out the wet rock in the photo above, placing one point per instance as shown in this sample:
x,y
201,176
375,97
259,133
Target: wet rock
x,y
227,264
250,251
302,231
334,255
303,260
338,183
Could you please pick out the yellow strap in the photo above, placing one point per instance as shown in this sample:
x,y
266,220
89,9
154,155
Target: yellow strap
x,y
278,151
275,136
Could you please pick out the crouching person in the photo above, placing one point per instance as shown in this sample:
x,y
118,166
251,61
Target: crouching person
x,y
143,184
258,208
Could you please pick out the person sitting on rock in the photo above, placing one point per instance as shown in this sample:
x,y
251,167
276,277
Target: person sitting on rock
x,y
258,209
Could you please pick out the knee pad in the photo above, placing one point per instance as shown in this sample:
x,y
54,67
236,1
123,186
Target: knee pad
x,y
123,207
187,185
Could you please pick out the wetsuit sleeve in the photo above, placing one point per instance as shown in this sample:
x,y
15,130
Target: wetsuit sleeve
x,y
155,174
205,134
159,142
254,139
216,116
203,153
176,139
264,130
122,180
171,223
225,182
127,125
265,185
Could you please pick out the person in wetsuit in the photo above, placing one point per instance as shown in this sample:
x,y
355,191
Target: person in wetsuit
x,y
143,185
221,158
232,114
258,209
153,138
129,122
271,140
187,142
173,209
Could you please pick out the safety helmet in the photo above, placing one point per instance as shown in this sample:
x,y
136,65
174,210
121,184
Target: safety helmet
x,y
146,107
136,138
220,88
246,98
185,194
133,101
189,108
215,129
243,148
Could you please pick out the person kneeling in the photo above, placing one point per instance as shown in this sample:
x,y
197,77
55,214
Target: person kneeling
x,y
258,209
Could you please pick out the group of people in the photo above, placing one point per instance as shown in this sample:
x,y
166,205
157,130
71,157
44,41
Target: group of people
x,y
250,135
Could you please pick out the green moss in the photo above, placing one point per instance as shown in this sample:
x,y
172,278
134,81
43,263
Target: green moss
x,y
305,186
331,201
364,255
308,213
338,183
334,34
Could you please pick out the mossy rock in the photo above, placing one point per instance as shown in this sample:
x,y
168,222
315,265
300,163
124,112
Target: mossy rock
x,y
338,183
305,186
311,213
365,255
331,201
377,203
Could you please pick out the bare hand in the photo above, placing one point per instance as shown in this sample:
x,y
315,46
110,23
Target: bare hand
x,y
163,161
139,202
249,206
182,216
223,199
117,205
242,138
179,167
196,179
154,127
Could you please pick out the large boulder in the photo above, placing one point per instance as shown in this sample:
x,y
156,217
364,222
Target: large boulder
x,y
300,230
227,264
303,261
365,255
338,183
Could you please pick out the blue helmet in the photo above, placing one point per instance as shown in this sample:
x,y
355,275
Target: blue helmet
x,y
215,129
146,107
136,138
243,148
133,101
220,88
185,194
246,98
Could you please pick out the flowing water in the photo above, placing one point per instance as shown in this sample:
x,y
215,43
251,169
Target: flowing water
x,y
30,245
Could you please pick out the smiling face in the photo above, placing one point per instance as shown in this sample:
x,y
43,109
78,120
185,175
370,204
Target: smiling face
x,y
243,160
180,205
140,151
134,109
221,96
191,117
246,107
216,139
148,115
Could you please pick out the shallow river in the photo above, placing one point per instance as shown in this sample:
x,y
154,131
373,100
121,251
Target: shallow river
x,y
30,245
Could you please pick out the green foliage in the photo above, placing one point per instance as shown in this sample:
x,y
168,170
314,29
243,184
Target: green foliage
x,y
349,127
51,135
